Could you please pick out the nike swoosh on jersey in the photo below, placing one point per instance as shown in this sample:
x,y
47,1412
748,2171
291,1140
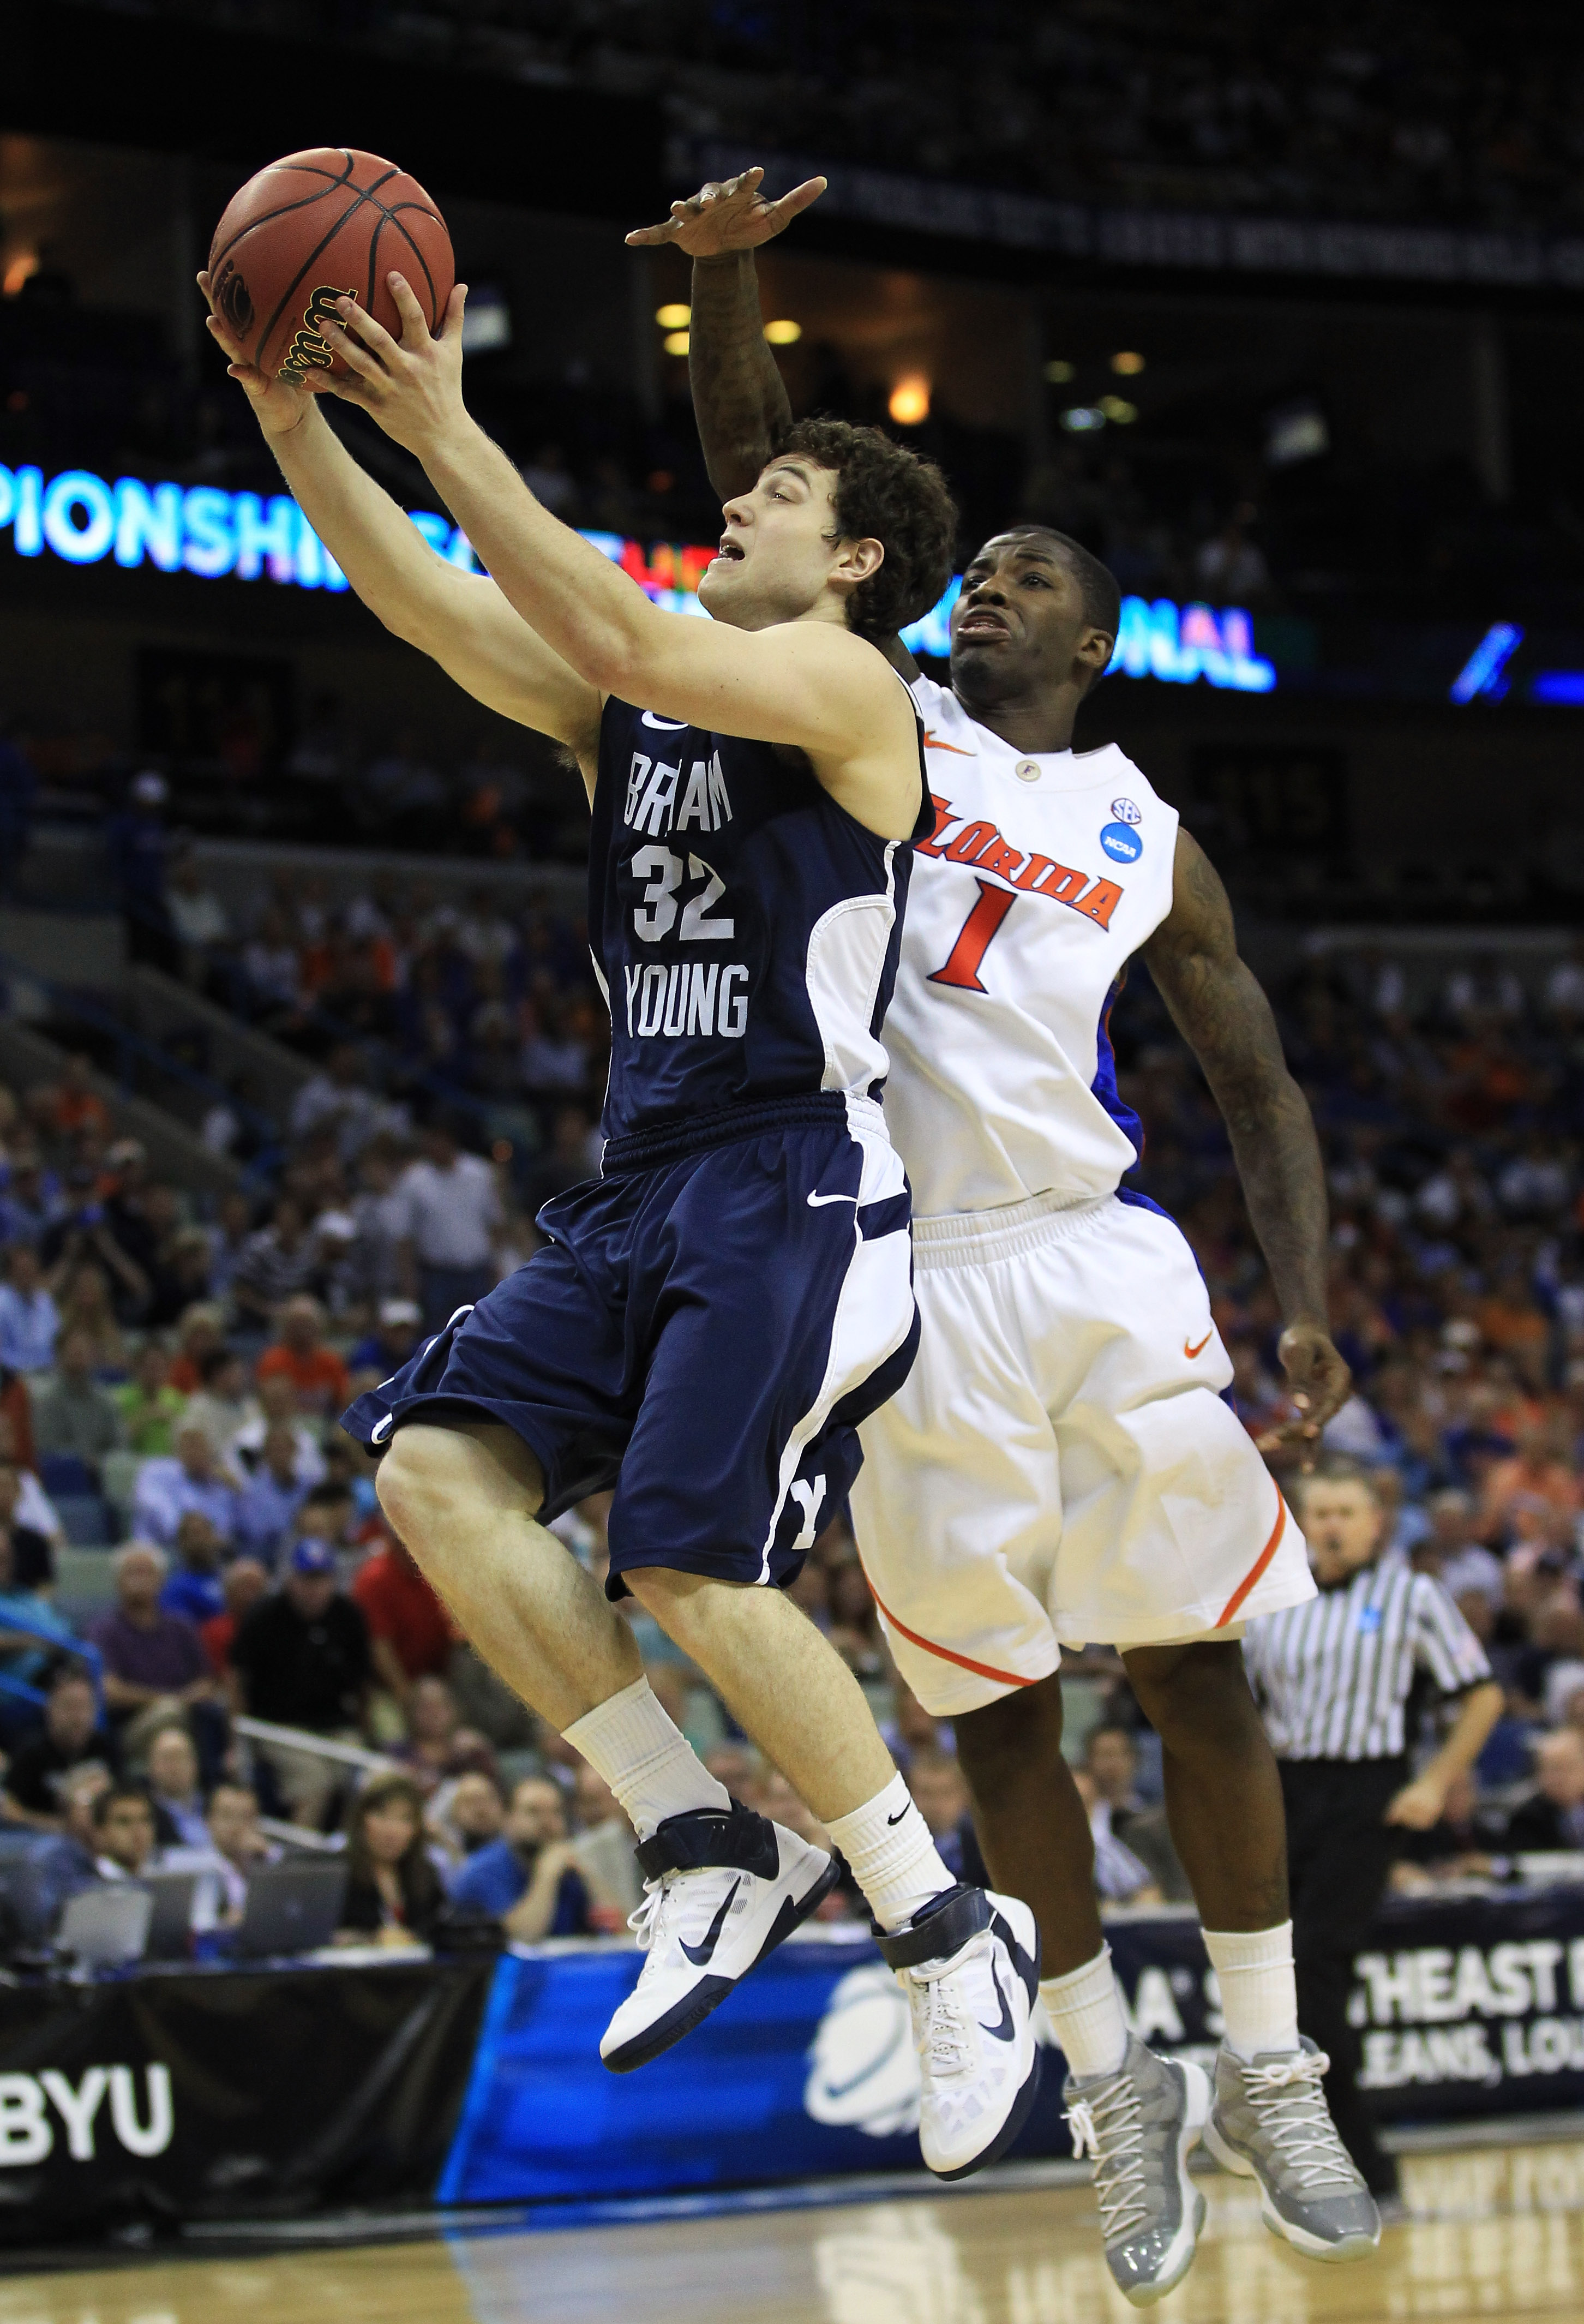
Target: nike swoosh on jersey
x,y
932,743
818,1201
1199,1350
703,1953
1005,2031
381,1428
663,725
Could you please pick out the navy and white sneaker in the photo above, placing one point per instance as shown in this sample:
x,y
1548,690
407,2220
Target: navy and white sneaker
x,y
969,1964
722,1888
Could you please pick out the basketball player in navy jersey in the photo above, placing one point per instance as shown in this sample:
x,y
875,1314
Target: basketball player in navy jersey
x,y
709,1321
1059,1465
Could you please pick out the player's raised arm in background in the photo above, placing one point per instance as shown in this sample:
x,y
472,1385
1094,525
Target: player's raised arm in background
x,y
739,396
1219,1008
784,668
460,618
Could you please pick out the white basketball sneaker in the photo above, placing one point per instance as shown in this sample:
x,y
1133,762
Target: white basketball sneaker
x,y
969,1964
722,1888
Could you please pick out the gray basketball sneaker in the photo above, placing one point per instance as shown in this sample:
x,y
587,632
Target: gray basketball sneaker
x,y
1140,2124
1270,2122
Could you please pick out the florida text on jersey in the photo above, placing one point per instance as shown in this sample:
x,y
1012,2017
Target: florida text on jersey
x,y
1042,875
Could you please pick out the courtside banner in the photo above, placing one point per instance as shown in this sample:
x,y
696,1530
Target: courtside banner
x,y
1466,2008
158,2095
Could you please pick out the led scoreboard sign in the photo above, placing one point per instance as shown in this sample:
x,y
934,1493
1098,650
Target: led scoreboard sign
x,y
199,529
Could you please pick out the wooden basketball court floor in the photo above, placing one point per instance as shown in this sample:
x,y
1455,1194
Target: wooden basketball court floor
x,y
1494,2234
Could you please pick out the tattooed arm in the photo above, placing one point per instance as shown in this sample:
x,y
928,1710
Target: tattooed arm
x,y
738,395
1219,1010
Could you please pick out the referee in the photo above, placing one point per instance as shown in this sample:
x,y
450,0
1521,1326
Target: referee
x,y
1336,1679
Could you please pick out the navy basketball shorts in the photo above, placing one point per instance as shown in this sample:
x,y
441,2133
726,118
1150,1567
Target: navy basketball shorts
x,y
706,1326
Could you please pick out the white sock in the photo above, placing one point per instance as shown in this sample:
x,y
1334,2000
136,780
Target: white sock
x,y
1086,2010
894,1859
635,1744
1259,1990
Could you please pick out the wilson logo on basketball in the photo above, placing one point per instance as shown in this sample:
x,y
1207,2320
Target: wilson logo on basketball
x,y
310,350
232,299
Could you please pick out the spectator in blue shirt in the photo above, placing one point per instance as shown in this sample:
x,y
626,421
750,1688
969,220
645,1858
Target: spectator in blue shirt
x,y
385,1350
527,1879
29,1629
139,847
29,1318
195,1589
268,1505
167,1489
32,1200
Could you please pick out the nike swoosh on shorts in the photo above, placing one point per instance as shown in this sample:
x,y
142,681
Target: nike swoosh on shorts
x,y
1199,1350
818,1201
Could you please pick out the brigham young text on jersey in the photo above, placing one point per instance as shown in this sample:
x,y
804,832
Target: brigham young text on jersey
x,y
744,927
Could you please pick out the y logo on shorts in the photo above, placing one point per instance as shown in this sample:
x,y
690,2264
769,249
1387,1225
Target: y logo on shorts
x,y
808,1499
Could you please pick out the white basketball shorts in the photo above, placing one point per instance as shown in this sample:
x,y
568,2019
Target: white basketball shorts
x,y
1060,1466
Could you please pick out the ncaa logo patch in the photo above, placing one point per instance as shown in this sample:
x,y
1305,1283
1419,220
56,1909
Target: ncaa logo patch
x,y
1122,844
1125,812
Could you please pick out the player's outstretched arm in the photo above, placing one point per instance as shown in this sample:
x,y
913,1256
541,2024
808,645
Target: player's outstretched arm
x,y
739,396
460,618
1221,1012
809,684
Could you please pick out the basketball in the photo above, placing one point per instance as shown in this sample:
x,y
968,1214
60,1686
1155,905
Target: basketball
x,y
317,226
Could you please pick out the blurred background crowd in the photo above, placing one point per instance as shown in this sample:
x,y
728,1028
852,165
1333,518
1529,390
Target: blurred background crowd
x,y
1419,113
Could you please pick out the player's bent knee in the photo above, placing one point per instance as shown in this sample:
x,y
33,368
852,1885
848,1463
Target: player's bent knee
x,y
1013,1727
662,1589
405,1485
1195,1694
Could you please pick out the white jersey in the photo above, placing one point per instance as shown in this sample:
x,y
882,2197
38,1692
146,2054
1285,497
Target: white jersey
x,y
1045,874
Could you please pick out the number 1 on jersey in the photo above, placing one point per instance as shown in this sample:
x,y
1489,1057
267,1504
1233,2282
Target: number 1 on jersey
x,y
974,939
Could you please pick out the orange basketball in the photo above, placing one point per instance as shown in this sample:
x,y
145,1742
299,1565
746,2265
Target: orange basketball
x,y
316,227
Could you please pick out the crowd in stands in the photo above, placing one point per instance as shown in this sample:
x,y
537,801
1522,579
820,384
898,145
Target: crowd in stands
x,y
185,1362
1400,113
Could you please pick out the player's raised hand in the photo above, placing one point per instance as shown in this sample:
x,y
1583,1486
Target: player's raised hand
x,y
277,403
412,385
728,214
1319,1381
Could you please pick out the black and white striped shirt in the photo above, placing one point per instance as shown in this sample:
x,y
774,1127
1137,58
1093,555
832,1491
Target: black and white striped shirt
x,y
1332,1677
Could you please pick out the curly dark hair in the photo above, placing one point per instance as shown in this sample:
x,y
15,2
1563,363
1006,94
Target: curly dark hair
x,y
886,493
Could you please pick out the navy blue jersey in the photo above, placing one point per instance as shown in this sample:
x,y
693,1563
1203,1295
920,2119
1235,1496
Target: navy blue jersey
x,y
745,927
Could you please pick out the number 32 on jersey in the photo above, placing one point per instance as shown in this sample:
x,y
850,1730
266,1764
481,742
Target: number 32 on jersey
x,y
655,917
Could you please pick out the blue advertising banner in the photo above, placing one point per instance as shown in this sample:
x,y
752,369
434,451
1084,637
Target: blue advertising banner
x,y
1466,2008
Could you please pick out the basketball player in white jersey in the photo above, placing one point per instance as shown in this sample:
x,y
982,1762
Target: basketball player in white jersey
x,y
1061,1466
